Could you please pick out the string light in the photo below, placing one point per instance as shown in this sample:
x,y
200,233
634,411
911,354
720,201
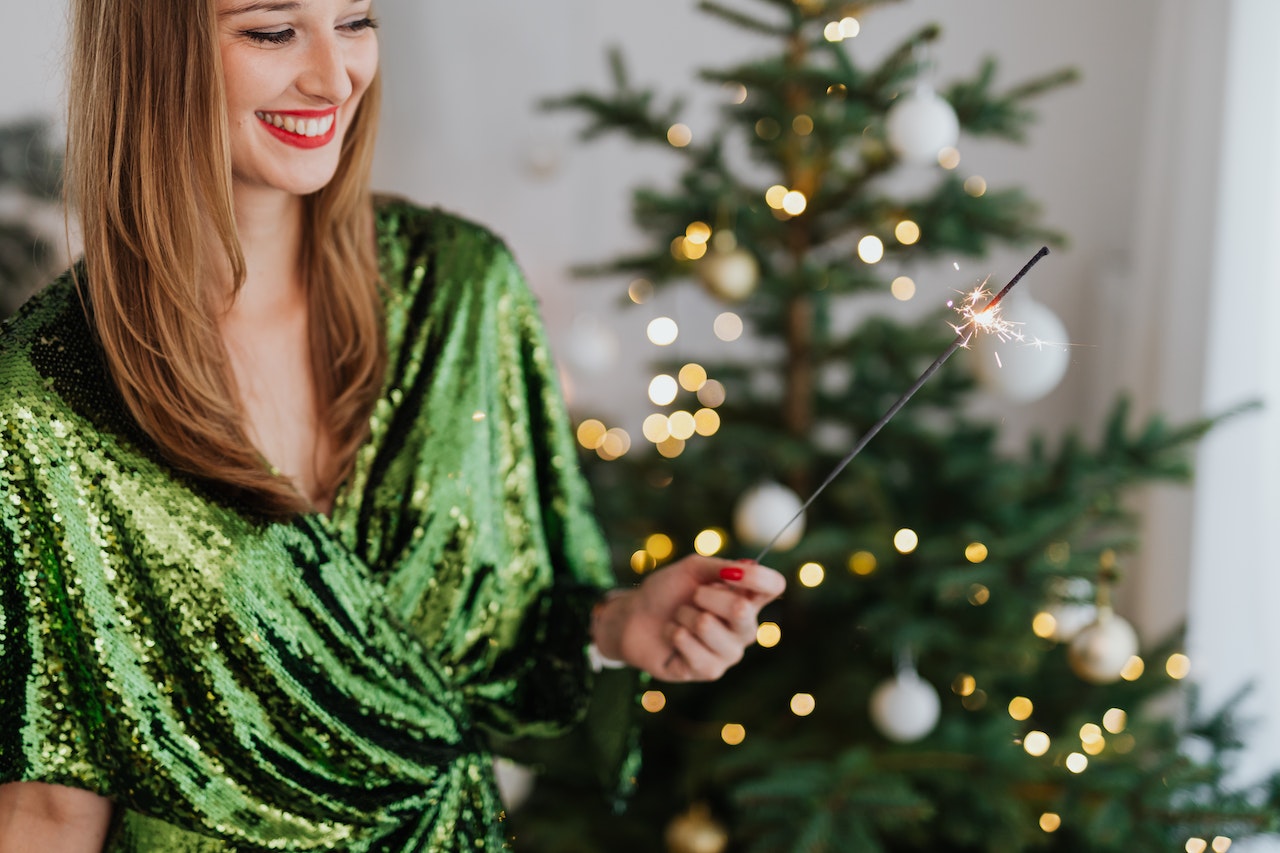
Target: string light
x,y
709,542
907,232
812,574
698,232
1133,669
906,540
692,377
639,291
670,448
976,186
975,552
768,634
862,563
591,433
774,196
1178,666
679,135
662,331
1044,625
1221,844
706,422
1036,743
642,561
794,202
711,395
974,701
979,595
653,701
1115,720
1050,821
870,249
733,734
768,129
659,545
948,158
802,704
1196,845
727,326
682,425
663,389
1020,708
903,288
964,684
802,125
656,428
616,444
1077,762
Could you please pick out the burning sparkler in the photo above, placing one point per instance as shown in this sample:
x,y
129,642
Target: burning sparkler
x,y
986,319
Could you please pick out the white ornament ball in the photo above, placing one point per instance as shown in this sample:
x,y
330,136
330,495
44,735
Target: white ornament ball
x,y
731,275
1024,370
920,124
905,708
763,510
1100,651
515,782
1070,618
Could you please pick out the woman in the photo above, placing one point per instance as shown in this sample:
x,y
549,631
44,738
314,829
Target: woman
x,y
288,515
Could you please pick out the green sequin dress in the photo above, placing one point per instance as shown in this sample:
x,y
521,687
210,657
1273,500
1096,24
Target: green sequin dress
x,y
321,684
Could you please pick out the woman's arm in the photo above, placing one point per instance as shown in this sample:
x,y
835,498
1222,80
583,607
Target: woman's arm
x,y
40,818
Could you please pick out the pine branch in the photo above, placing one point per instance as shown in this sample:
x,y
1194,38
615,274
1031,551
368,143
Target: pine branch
x,y
742,20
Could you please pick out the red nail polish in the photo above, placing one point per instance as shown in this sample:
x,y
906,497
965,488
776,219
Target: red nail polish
x,y
731,573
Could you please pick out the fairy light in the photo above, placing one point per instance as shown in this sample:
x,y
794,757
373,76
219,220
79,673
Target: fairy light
x,y
615,445
862,563
812,574
662,331
1221,844
639,291
964,684
1050,821
591,433
706,422
682,425
1044,625
663,389
733,733
1133,669
975,552
975,185
1115,720
837,90
659,546
1090,732
907,232
802,704
642,561
697,232
774,196
737,93
1020,708
679,135
1036,743
711,395
692,377
870,249
768,128
1196,845
653,701
1178,666
693,251
670,448
978,594
975,701
906,540
831,32
727,326
656,428
1077,762
768,635
949,158
794,202
709,542
802,125
903,288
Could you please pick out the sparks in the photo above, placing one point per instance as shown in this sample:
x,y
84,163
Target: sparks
x,y
979,313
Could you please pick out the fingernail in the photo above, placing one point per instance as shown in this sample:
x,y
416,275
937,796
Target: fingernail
x,y
731,573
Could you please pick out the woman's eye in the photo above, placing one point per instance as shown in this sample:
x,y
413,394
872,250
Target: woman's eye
x,y
362,24
269,37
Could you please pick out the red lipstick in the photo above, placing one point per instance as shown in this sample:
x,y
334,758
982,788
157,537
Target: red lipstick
x,y
299,118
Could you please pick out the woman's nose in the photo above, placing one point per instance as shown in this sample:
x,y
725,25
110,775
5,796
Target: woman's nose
x,y
325,75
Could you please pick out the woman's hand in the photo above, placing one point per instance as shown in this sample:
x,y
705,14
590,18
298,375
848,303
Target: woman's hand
x,y
689,621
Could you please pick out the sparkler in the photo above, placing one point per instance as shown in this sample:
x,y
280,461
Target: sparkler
x,y
985,319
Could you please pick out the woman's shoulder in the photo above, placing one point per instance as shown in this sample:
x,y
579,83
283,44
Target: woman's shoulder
x,y
411,233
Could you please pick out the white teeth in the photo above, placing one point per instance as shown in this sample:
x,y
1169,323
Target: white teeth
x,y
308,127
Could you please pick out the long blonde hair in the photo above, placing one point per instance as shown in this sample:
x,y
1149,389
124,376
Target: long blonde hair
x,y
149,171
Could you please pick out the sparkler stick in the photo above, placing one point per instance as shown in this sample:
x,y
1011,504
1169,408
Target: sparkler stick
x,y
964,333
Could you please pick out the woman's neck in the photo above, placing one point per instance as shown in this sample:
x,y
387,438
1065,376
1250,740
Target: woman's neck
x,y
269,224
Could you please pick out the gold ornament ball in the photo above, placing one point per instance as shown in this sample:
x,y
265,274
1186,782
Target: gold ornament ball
x,y
731,275
696,831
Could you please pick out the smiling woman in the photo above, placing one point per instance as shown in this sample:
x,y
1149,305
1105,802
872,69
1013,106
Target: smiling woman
x,y
289,520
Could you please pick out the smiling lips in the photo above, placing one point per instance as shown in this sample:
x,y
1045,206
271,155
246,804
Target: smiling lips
x,y
301,128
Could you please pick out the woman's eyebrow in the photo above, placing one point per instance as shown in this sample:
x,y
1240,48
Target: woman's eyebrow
x,y
261,6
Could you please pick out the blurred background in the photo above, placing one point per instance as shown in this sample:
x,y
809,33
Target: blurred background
x,y
1159,166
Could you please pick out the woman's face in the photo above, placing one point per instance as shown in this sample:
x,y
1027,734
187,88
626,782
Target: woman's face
x,y
295,71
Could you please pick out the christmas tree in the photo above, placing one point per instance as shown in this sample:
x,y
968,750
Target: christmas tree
x,y
947,671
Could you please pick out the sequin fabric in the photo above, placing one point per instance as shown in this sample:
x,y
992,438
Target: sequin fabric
x,y
320,684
